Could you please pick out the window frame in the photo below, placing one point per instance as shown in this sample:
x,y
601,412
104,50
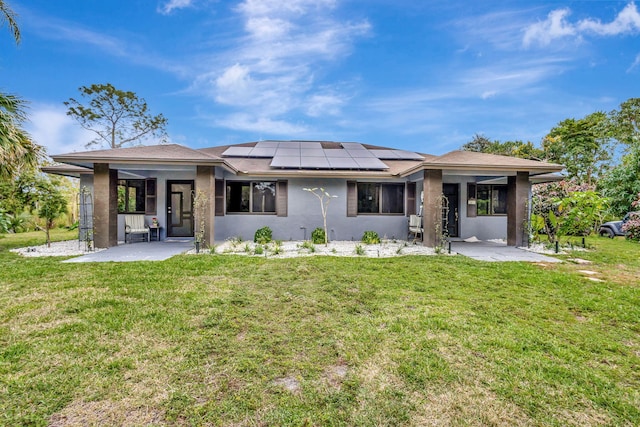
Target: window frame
x,y
148,187
251,185
381,188
492,190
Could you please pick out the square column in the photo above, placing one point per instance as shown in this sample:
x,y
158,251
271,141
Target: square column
x,y
517,213
206,183
432,209
105,206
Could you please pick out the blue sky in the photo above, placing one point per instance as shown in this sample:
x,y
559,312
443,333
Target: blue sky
x,y
419,75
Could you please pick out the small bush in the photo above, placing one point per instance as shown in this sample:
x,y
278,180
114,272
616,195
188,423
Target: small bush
x,y
263,235
360,250
258,250
318,236
370,237
308,245
632,227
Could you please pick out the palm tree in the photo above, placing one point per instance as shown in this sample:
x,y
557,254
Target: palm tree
x,y
9,16
17,150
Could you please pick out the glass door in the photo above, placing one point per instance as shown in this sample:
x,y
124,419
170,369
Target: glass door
x,y
179,208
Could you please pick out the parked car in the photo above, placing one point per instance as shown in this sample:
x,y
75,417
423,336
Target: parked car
x,y
614,228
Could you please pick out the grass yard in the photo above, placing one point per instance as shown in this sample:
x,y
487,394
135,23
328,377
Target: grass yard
x,y
231,340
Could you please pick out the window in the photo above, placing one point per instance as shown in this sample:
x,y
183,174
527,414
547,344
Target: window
x,y
376,198
251,197
137,196
492,199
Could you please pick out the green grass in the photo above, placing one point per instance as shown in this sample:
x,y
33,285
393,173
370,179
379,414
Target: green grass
x,y
233,340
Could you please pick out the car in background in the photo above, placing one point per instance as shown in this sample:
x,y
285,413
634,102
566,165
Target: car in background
x,y
614,228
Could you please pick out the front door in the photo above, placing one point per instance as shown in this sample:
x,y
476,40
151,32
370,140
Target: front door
x,y
451,193
179,208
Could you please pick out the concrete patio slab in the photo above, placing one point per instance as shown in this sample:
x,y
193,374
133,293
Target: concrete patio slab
x,y
144,251
494,251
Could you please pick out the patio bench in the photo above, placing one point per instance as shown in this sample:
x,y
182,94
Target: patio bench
x,y
134,225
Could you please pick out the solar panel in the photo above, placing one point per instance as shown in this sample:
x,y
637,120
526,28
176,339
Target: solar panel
x,y
267,144
408,155
310,144
337,153
361,154
237,151
385,154
288,152
263,152
370,163
342,163
312,152
314,162
352,146
285,162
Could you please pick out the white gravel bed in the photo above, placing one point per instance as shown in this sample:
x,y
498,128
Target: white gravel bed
x,y
289,249
64,248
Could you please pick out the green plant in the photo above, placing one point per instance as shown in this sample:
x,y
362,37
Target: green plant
x,y
263,235
308,245
370,237
247,247
258,250
360,250
319,236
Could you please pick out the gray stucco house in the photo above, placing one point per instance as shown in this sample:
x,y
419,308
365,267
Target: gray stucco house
x,y
258,184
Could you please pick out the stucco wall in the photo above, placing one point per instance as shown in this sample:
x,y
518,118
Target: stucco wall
x,y
304,215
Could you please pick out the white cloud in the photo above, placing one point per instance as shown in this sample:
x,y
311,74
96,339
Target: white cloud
x,y
260,125
50,127
635,64
557,26
273,68
172,5
627,21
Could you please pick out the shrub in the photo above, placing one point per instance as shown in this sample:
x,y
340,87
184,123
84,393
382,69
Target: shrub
x,y
632,227
360,250
318,236
263,235
370,237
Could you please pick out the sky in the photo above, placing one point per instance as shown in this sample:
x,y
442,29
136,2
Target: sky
x,y
423,75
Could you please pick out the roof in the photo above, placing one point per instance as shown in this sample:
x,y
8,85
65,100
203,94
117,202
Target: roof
x,y
154,154
308,158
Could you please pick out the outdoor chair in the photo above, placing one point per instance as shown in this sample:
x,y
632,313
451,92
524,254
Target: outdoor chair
x,y
415,227
134,225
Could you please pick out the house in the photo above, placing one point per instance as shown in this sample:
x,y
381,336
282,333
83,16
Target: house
x,y
252,185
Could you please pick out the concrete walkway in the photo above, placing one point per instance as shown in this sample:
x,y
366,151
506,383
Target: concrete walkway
x,y
144,251
493,251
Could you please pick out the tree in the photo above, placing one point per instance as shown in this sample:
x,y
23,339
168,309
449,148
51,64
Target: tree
x,y
524,150
621,184
583,146
117,117
52,204
17,150
626,124
7,15
324,198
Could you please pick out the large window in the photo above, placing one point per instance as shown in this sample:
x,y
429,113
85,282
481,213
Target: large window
x,y
376,198
492,199
251,196
137,196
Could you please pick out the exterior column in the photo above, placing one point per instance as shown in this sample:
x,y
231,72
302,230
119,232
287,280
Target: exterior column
x,y
517,213
105,206
206,182
432,209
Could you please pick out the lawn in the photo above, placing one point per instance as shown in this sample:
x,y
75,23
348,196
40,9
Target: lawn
x,y
233,340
